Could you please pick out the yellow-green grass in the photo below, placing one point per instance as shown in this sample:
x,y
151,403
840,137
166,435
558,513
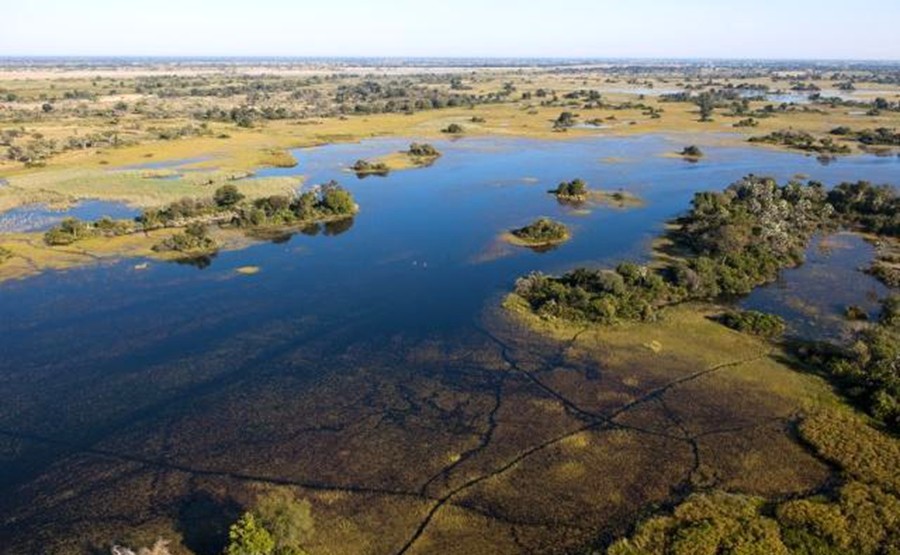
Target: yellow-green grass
x,y
513,239
63,186
616,199
30,255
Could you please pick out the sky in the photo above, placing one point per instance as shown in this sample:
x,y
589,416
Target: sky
x,y
771,29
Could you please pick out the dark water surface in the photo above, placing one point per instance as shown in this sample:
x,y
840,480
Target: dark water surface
x,y
110,356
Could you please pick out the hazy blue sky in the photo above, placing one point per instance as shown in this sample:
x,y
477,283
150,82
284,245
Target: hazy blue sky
x,y
569,28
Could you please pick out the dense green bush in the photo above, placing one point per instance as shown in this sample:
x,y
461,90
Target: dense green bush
x,y
70,230
67,232
692,151
279,524
542,230
423,150
364,167
860,516
872,208
736,239
571,190
801,140
227,195
869,370
193,240
753,322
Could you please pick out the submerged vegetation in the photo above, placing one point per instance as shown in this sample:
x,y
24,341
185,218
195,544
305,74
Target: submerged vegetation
x,y
868,370
343,440
861,515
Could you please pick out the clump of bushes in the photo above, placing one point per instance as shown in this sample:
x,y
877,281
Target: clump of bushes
x,y
564,121
453,129
70,230
423,150
571,190
692,151
542,231
868,207
194,240
630,292
279,524
860,517
801,140
755,323
868,370
736,240
364,167
855,313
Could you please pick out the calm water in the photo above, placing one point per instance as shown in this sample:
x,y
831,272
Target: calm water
x,y
94,353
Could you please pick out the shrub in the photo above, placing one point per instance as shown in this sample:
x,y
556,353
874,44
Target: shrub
x,y
248,537
575,189
755,323
542,230
227,196
692,151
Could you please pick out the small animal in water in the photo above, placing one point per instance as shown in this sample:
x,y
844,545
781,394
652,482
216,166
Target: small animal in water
x,y
142,266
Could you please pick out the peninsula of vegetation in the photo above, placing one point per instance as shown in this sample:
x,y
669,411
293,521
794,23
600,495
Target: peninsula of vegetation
x,y
227,209
726,245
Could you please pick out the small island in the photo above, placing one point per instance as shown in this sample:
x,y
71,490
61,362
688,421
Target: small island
x,y
691,153
571,191
542,232
364,168
577,192
423,154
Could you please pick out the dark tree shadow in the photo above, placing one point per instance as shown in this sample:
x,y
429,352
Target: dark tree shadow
x,y
203,522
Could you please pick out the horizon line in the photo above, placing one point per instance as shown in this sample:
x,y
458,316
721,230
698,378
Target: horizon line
x,y
398,57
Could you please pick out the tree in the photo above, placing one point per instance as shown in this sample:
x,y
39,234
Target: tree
x,y
227,196
564,121
247,536
337,200
707,104
288,519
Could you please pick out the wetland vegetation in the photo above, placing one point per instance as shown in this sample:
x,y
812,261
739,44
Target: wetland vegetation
x,y
310,391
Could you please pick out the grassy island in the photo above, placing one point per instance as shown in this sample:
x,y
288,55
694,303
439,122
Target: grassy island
x,y
423,154
577,192
571,191
227,209
364,168
543,232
